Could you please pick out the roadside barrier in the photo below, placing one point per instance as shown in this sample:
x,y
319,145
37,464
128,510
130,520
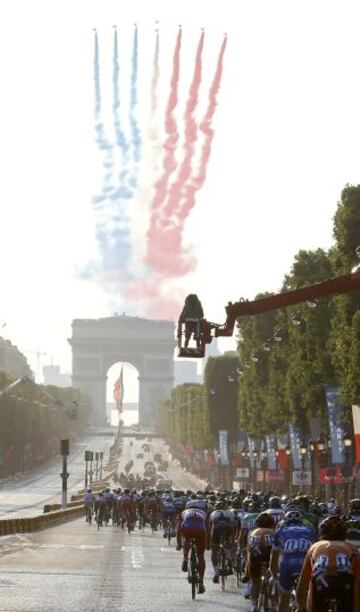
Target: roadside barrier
x,y
42,521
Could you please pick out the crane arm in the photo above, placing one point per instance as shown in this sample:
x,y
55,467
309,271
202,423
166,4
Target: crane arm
x,y
334,286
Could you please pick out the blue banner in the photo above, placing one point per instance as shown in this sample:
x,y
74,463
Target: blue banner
x,y
223,447
295,441
270,448
336,426
251,447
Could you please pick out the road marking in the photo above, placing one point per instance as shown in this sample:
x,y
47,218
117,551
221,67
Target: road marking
x,y
137,553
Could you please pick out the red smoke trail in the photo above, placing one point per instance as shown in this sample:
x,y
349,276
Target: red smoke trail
x,y
166,254
190,136
205,127
169,162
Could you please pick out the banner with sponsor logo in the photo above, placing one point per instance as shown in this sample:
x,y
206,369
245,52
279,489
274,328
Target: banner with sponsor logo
x,y
242,473
356,423
295,441
301,478
336,425
223,447
275,476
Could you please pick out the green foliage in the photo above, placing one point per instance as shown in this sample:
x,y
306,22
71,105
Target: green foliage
x,y
221,390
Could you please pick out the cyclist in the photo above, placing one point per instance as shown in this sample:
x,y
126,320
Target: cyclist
x,y
275,509
168,513
248,522
259,545
354,509
127,508
193,525
223,526
331,571
100,508
151,509
291,542
89,499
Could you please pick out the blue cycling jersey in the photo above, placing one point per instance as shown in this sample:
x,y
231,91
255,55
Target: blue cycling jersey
x,y
294,539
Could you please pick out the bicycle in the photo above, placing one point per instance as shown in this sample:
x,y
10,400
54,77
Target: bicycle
x,y
265,595
239,566
89,514
193,571
292,602
168,531
225,565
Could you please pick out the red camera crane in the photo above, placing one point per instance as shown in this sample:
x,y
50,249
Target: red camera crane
x,y
334,286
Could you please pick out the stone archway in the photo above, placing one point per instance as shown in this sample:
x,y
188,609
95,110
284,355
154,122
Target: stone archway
x,y
148,345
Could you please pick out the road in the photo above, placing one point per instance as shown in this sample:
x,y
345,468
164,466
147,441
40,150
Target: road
x,y
75,566
27,495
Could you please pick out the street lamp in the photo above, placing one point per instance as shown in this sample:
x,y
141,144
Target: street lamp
x,y
289,463
348,442
312,446
303,452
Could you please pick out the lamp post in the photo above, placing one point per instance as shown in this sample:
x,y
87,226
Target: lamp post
x,y
255,456
322,448
348,442
243,455
263,466
312,446
303,453
288,454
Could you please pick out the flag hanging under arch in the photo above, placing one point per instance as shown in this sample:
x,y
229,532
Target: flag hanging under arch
x,y
119,391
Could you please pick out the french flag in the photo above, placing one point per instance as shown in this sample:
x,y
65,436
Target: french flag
x,y
356,423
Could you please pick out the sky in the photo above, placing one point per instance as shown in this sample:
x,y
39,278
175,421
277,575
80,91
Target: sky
x,y
285,143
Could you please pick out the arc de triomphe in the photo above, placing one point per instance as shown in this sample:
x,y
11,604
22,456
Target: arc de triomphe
x,y
148,345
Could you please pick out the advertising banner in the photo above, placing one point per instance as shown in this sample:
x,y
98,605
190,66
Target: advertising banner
x,y
259,476
223,447
241,440
301,478
356,423
336,425
242,473
295,441
275,476
270,447
251,447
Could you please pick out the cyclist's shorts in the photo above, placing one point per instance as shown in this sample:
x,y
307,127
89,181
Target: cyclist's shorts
x,y
199,534
339,586
226,532
257,559
289,568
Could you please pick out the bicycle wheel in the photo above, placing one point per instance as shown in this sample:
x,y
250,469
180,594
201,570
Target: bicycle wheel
x,y
168,533
223,569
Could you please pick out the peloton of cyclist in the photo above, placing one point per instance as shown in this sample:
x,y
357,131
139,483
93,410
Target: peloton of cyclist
x,y
291,542
193,525
331,571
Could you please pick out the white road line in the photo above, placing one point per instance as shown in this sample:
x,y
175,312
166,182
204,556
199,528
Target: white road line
x,y
137,553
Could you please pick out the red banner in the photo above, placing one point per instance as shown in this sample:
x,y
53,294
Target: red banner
x,y
275,476
334,475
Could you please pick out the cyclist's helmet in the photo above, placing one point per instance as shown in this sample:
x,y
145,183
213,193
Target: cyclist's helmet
x,y
89,491
168,499
126,491
274,502
293,516
237,504
107,490
254,497
332,528
253,507
193,503
220,505
354,506
265,520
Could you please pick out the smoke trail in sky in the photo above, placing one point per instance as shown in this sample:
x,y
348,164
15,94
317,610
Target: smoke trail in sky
x,y
169,146
206,127
154,130
167,256
122,190
103,144
135,131
191,135
112,225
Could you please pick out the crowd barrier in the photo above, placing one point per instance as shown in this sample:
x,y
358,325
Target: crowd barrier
x,y
42,521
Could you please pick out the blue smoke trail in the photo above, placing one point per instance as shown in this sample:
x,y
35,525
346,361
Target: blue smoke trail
x,y
122,191
135,132
112,227
101,140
